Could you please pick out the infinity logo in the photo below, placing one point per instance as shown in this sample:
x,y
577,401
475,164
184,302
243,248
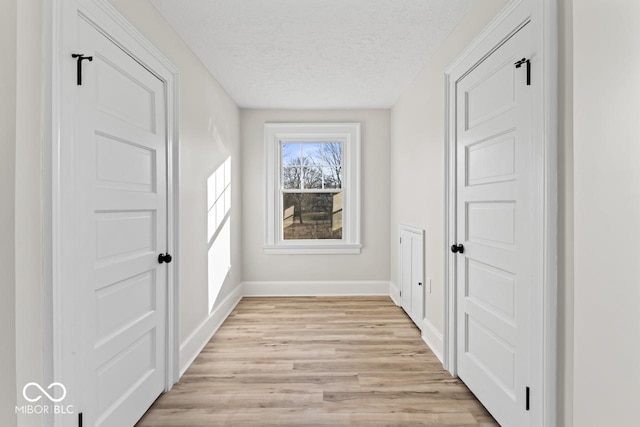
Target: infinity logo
x,y
43,391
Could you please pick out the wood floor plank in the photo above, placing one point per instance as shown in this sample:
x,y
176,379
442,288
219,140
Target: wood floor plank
x,y
317,361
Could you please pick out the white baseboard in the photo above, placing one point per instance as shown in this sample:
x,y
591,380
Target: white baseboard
x,y
199,338
433,338
315,288
394,293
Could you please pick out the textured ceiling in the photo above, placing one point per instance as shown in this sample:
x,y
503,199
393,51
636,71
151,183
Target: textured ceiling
x,y
313,53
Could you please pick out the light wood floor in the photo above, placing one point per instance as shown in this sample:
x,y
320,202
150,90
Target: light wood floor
x,y
317,361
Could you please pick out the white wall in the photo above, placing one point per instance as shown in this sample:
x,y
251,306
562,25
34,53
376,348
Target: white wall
x,y
209,133
373,262
417,160
606,120
8,47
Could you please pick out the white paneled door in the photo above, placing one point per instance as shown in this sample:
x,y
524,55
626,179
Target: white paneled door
x,y
412,272
494,229
121,146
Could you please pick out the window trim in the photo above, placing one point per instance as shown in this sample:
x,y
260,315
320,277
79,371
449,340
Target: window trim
x,y
349,135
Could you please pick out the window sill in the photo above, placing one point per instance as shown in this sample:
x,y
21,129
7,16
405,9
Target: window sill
x,y
312,249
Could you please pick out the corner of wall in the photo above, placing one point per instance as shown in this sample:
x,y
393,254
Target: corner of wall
x,y
394,293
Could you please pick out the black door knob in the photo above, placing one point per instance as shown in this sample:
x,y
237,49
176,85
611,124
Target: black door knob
x,y
457,248
164,258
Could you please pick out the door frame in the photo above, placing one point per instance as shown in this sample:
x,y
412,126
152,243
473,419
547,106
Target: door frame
x,y
542,16
58,179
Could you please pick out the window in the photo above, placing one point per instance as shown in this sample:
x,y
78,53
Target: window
x,y
313,189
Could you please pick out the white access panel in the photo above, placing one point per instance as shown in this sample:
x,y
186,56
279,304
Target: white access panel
x,y
412,273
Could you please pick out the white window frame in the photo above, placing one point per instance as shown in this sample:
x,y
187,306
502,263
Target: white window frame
x,y
346,133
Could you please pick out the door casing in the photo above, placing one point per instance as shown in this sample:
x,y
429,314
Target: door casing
x,y
58,176
542,16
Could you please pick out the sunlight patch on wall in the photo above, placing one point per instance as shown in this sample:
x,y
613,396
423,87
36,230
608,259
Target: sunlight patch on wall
x,y
219,229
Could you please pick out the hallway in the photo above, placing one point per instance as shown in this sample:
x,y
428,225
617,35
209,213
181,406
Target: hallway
x,y
317,361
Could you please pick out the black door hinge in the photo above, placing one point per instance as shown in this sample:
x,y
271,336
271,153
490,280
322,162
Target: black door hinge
x,y
527,400
79,58
80,419
528,62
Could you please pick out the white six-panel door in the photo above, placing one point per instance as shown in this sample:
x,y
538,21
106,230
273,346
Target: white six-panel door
x,y
494,224
121,145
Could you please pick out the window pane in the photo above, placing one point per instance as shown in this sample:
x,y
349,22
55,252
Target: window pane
x,y
312,178
333,153
332,177
310,216
312,153
291,154
291,177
